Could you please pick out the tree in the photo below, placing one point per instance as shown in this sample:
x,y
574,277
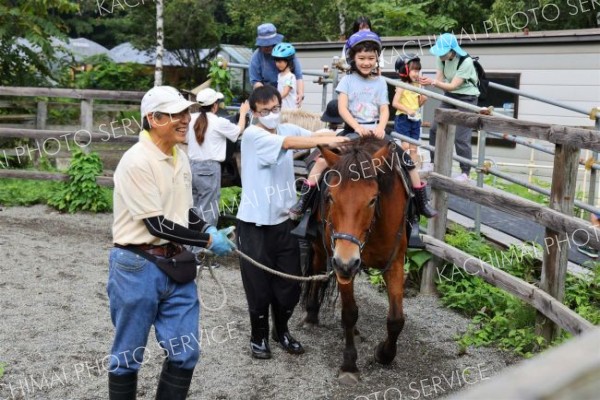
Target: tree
x,y
538,15
29,63
160,45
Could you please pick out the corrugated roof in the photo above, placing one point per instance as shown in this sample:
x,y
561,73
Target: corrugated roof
x,y
125,52
237,54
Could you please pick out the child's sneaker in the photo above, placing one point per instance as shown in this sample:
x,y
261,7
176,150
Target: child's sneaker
x,y
588,251
462,178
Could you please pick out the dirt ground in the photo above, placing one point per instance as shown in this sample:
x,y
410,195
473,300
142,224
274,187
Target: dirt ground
x,y
55,329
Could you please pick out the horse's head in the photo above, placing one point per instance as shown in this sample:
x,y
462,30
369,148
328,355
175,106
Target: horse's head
x,y
354,186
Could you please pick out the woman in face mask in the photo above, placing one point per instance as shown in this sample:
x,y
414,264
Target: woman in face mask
x,y
263,229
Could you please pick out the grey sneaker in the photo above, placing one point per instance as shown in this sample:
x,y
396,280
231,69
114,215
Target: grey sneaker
x,y
588,251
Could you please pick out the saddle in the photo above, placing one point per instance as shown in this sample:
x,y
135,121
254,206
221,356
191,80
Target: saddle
x,y
308,226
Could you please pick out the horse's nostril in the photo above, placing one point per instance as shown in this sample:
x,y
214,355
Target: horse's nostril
x,y
354,264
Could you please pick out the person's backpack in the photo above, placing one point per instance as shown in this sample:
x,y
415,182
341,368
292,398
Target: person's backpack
x,y
483,83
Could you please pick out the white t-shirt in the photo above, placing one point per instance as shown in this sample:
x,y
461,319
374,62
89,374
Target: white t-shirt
x,y
214,146
268,187
365,96
287,79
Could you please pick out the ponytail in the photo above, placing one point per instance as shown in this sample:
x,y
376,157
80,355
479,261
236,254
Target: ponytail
x,y
201,124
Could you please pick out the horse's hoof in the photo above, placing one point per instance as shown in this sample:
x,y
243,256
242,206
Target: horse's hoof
x,y
348,378
309,323
381,357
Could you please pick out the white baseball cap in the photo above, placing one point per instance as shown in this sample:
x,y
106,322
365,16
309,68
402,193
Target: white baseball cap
x,y
164,99
208,96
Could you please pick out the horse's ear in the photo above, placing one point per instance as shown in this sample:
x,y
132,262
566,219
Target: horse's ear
x,y
329,155
382,153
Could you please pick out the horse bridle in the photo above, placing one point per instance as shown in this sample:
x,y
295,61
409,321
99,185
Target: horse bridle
x,y
351,238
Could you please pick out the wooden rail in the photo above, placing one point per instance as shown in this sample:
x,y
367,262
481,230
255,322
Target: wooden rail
x,y
557,218
569,371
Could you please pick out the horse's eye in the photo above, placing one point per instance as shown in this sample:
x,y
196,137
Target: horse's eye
x,y
372,202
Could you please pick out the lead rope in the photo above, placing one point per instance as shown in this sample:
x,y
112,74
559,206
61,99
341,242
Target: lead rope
x,y
321,277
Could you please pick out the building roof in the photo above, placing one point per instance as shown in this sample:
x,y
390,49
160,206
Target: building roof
x,y
125,52
237,54
464,36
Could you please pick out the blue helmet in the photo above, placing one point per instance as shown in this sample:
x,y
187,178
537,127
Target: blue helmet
x,y
362,37
283,50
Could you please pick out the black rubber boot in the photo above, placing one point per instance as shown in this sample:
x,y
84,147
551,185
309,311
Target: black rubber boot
x,y
298,209
281,332
174,382
122,387
259,336
414,238
422,203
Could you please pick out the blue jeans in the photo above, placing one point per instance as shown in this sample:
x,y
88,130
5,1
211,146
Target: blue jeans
x,y
141,295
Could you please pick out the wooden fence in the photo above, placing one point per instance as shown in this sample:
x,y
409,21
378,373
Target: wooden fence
x,y
83,137
557,218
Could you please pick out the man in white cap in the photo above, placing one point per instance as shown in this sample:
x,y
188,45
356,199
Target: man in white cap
x,y
153,216
457,77
263,70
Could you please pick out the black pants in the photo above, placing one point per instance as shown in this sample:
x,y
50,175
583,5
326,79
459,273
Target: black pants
x,y
275,247
462,138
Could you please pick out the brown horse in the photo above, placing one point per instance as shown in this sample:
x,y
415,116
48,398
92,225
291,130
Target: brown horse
x,y
363,220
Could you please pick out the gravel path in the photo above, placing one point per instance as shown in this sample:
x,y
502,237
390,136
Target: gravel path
x,y
55,329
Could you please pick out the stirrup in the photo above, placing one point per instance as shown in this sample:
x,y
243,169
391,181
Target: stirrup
x,y
302,227
414,240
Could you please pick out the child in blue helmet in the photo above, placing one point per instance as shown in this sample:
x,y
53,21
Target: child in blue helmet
x,y
283,54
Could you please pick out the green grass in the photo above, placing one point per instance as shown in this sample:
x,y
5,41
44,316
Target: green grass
x,y
25,192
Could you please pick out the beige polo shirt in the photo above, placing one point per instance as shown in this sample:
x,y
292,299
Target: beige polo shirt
x,y
149,183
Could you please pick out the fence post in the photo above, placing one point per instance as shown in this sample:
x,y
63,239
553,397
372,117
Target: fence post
x,y
554,268
481,138
444,146
87,120
593,172
41,116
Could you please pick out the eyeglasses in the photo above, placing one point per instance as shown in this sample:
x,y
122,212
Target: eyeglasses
x,y
274,110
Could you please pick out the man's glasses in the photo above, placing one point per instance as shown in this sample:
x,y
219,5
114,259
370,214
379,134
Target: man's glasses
x,y
274,110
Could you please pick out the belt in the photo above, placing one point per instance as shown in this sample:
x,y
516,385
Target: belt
x,y
166,250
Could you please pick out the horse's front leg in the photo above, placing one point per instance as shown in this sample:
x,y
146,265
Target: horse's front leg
x,y
385,352
349,372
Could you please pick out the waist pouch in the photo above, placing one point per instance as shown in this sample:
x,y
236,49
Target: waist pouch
x,y
181,267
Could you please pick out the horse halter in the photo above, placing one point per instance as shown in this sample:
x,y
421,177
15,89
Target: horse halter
x,y
351,238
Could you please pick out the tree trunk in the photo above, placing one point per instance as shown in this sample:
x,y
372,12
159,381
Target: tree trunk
x,y
160,37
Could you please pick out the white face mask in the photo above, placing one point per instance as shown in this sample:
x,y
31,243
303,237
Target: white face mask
x,y
270,121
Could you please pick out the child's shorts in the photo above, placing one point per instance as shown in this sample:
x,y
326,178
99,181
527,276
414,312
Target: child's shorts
x,y
407,127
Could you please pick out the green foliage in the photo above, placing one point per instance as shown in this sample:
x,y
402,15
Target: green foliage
x,y
230,200
2,365
407,17
220,79
37,22
539,15
375,278
81,192
519,190
413,264
25,192
108,75
499,318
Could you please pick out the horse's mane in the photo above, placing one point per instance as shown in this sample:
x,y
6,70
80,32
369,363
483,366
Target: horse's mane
x,y
356,163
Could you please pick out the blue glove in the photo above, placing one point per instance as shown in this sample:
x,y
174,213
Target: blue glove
x,y
221,245
211,229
